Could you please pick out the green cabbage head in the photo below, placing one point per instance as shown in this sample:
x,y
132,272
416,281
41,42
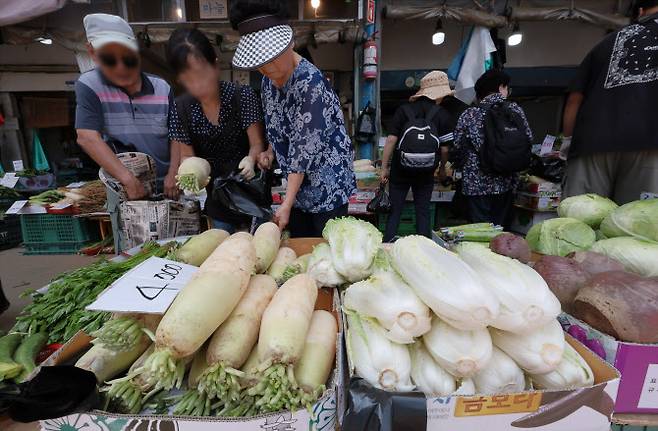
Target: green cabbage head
x,y
640,257
590,208
560,236
638,219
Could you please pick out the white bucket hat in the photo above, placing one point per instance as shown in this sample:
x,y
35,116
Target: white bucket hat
x,y
102,28
263,39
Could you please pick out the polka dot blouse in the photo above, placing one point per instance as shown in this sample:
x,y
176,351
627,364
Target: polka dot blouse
x,y
228,146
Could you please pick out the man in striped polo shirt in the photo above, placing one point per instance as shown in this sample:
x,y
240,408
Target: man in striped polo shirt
x,y
120,108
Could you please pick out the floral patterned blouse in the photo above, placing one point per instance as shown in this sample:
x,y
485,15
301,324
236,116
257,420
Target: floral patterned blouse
x,y
305,126
469,137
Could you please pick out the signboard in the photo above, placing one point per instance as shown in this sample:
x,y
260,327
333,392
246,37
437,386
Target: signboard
x,y
213,9
547,145
9,180
150,287
370,16
18,165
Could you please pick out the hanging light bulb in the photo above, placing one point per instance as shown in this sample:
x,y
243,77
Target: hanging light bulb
x,y
315,4
516,37
45,40
439,35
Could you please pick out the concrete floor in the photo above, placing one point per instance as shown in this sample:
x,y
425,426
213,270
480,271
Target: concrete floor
x,y
19,272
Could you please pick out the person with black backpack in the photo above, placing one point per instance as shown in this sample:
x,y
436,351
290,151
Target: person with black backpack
x,y
417,142
493,143
219,121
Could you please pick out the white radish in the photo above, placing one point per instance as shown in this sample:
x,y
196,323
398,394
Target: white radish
x,y
106,363
267,240
199,247
193,174
204,303
317,361
284,257
281,342
232,342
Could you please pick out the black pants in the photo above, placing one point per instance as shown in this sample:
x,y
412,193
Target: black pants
x,y
422,192
303,224
490,208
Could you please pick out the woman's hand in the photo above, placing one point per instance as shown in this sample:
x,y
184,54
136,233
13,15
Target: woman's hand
x,y
282,216
246,167
170,187
383,176
265,159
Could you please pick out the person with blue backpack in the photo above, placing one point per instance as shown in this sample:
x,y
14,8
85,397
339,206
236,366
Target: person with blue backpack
x,y
417,143
493,143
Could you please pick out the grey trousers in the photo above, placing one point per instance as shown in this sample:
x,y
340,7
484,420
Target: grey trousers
x,y
621,176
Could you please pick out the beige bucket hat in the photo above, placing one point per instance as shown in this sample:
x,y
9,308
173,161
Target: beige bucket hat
x,y
434,85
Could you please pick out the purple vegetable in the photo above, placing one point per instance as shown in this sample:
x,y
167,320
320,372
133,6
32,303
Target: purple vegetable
x,y
596,347
578,333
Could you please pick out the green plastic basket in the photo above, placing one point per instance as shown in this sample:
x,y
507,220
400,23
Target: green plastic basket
x,y
55,233
408,219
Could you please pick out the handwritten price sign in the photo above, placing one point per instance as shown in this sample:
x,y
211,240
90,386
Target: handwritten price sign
x,y
148,288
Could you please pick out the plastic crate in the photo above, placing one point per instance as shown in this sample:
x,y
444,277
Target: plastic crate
x,y
10,232
408,219
56,234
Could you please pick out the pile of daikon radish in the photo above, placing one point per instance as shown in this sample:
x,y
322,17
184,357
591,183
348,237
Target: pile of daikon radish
x,y
245,326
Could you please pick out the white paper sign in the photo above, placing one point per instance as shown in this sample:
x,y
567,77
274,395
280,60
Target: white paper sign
x,y
213,9
547,145
18,165
648,195
76,185
649,395
148,288
16,207
9,180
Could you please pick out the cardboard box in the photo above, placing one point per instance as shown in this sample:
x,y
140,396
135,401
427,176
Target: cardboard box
x,y
537,201
523,219
638,365
323,416
583,409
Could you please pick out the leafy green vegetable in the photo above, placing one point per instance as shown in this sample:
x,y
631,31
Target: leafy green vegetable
x,y
589,208
636,255
638,219
560,236
60,312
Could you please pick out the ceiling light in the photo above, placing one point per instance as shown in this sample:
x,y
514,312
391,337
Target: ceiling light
x,y
315,4
44,40
516,37
439,35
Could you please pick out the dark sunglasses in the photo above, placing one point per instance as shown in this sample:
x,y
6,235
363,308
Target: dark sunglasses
x,y
130,61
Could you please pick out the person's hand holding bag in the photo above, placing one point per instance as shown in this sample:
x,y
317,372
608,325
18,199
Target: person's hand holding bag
x,y
246,167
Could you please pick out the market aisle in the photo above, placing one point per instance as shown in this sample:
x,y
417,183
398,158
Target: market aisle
x,y
19,272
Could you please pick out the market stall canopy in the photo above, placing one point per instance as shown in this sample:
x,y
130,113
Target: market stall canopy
x,y
606,14
16,11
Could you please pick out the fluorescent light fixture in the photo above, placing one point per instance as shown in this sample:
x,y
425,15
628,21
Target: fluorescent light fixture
x,y
179,13
439,35
44,40
315,4
516,37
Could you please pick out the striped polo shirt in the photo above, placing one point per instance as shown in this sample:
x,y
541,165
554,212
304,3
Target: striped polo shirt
x,y
135,122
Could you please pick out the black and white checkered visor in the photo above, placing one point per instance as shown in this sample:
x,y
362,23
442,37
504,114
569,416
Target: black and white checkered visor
x,y
260,47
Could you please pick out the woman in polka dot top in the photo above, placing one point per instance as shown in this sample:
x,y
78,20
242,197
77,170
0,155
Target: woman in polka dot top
x,y
219,121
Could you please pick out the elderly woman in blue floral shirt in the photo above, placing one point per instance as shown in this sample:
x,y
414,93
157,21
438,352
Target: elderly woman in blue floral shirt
x,y
303,121
489,197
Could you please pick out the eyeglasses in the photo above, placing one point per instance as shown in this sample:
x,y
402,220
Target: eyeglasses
x,y
108,60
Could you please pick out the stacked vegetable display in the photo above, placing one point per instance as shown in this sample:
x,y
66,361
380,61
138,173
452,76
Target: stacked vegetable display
x,y
250,345
469,321
612,283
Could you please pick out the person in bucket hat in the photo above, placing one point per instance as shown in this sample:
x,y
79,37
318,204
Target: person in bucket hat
x,y
304,121
417,143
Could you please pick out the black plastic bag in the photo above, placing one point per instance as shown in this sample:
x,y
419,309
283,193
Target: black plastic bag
x,y
240,197
548,168
53,393
381,203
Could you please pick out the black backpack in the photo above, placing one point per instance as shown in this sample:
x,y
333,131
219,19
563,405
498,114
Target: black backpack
x,y
506,149
418,147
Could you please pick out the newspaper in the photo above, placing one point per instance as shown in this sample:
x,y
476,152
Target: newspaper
x,y
141,165
142,221
135,222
